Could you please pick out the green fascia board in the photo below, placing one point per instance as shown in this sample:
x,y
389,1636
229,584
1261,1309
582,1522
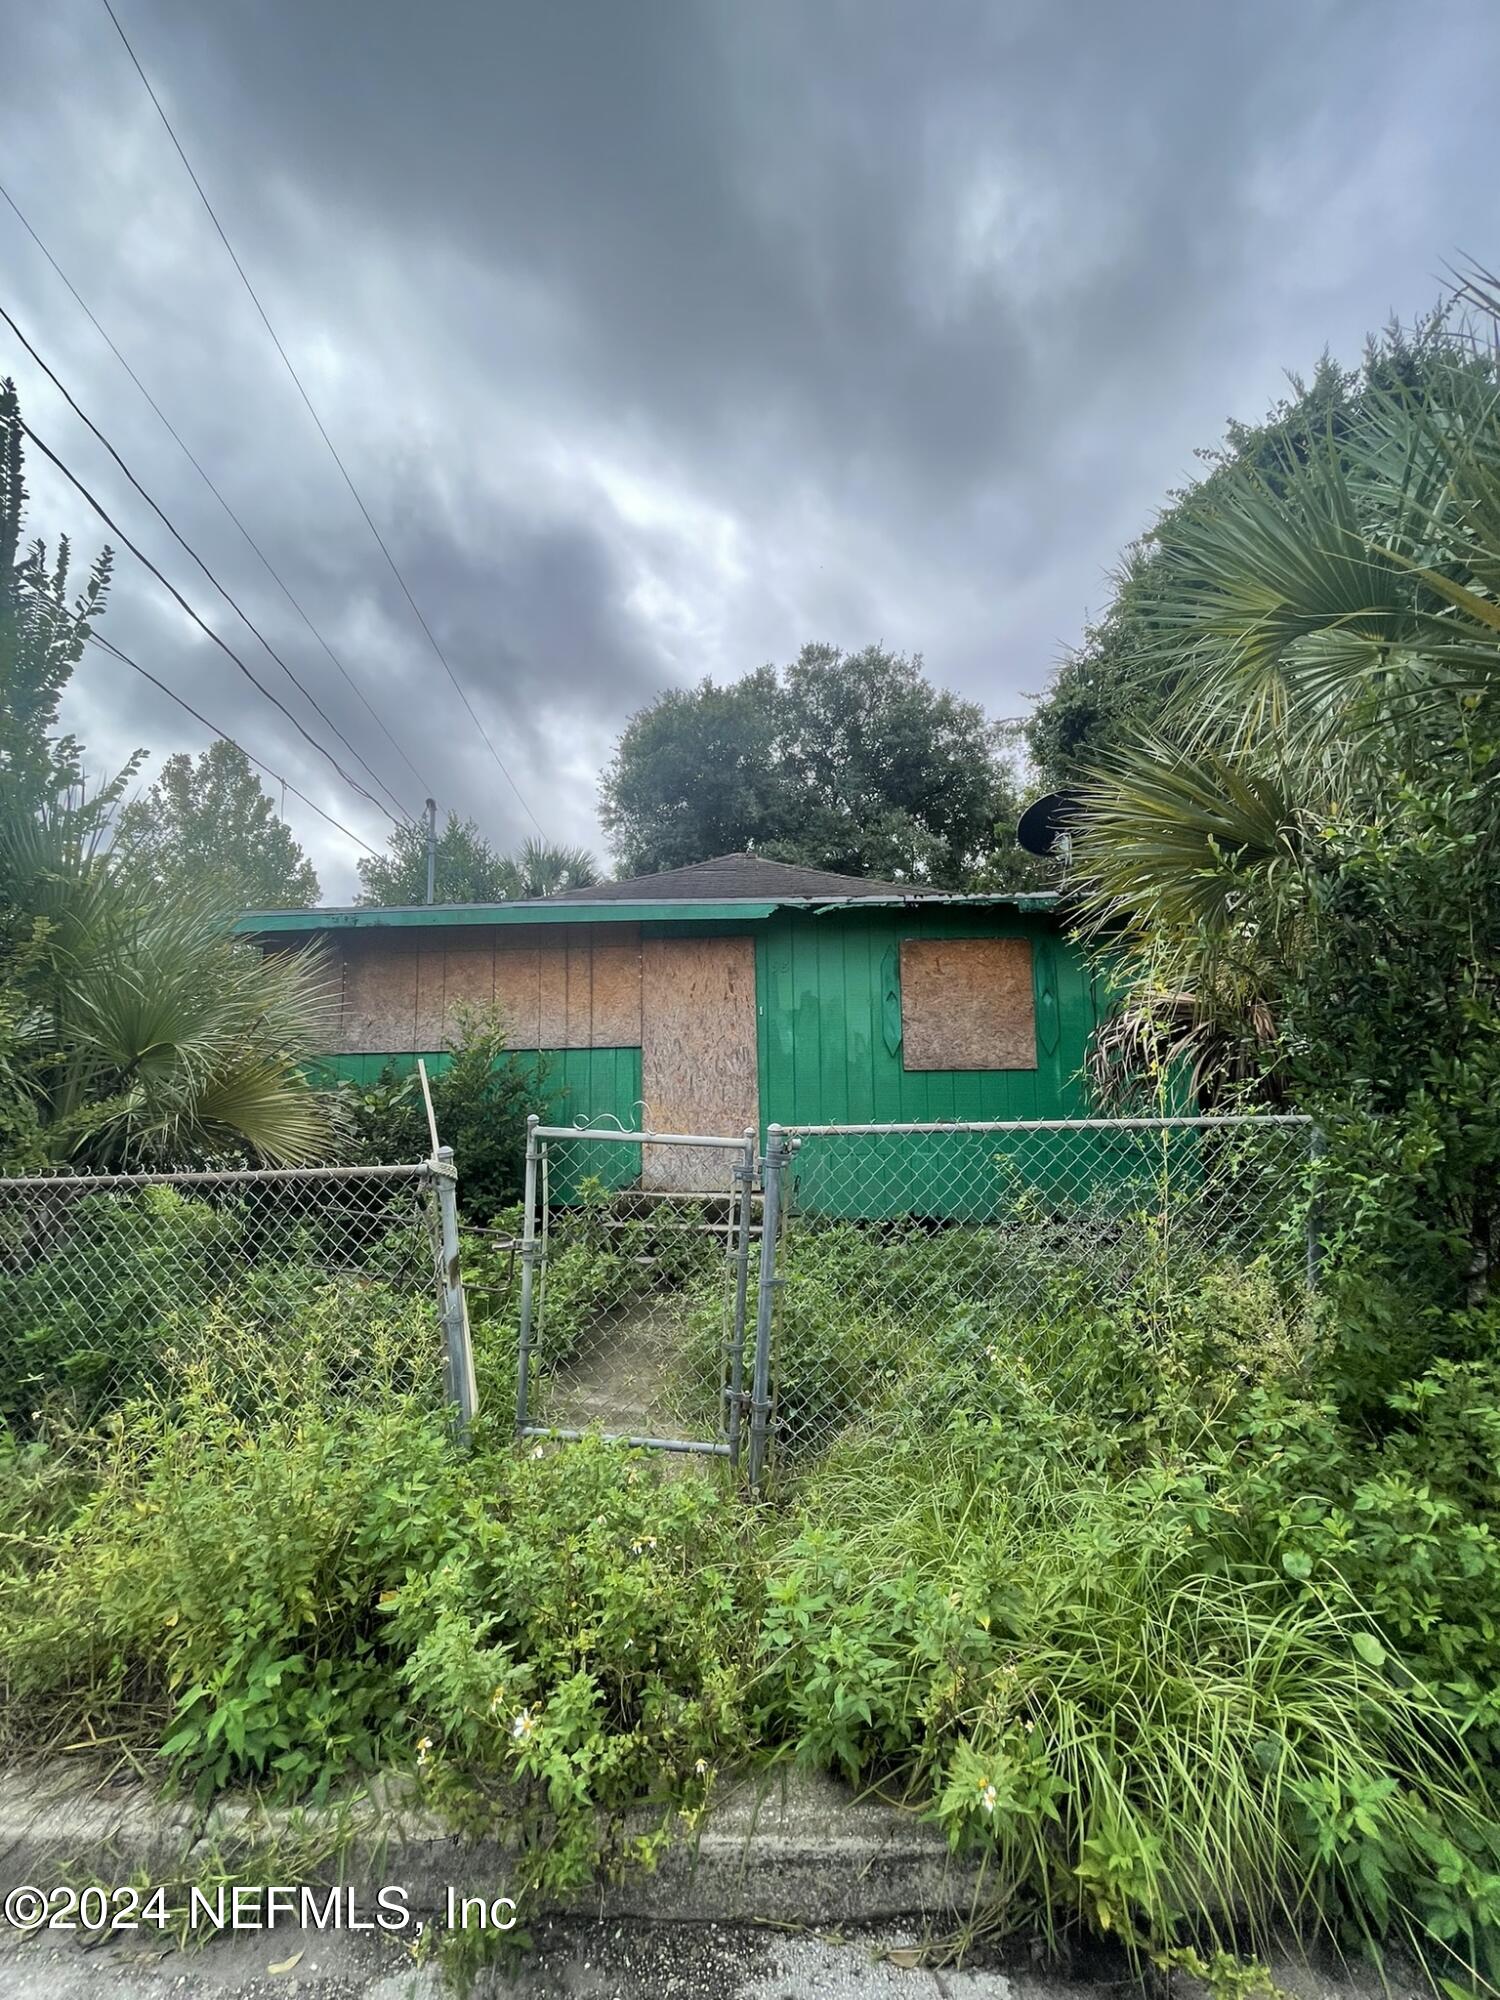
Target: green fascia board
x,y
427,915
444,915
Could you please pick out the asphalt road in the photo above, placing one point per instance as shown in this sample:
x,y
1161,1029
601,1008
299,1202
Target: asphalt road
x,y
575,1960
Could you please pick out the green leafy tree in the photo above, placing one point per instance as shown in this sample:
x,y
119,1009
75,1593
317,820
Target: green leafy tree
x,y
469,869
133,1028
42,639
1298,872
1122,678
848,761
212,821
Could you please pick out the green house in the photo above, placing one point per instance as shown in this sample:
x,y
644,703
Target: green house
x,y
738,992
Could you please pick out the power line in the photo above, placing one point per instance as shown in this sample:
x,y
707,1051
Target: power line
x,y
109,646
182,446
312,412
118,653
222,644
183,543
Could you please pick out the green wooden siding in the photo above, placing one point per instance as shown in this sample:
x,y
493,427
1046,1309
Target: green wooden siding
x,y
828,993
824,1058
582,1084
828,1014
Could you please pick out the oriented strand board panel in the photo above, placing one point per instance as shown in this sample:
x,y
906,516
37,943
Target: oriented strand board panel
x,y
698,1053
469,979
431,1003
966,1003
616,1021
517,995
552,1027
380,1000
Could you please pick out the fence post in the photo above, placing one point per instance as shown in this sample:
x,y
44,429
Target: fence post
x,y
772,1167
463,1392
744,1178
528,1275
1317,1147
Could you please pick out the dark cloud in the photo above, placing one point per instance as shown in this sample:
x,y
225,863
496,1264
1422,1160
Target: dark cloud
x,y
661,338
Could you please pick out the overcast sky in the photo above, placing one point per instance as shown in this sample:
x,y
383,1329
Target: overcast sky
x,y
660,338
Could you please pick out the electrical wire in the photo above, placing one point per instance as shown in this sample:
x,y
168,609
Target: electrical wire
x,y
169,525
318,421
109,646
282,585
222,644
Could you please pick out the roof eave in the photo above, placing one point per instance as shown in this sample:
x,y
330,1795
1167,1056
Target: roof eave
x,y
259,923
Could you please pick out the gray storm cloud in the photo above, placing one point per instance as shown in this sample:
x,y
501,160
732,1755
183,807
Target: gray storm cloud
x,y
660,339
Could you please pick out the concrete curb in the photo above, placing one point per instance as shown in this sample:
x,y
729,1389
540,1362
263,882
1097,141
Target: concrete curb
x,y
802,1850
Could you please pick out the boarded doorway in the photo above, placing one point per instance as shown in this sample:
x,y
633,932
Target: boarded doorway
x,y
698,1052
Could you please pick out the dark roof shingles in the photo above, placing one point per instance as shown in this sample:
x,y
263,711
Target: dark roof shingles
x,y
749,878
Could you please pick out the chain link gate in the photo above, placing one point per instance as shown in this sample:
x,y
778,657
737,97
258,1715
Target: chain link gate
x,y
904,1259
633,1296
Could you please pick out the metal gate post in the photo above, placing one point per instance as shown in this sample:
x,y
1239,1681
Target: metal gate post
x,y
528,1273
463,1392
772,1166
744,1180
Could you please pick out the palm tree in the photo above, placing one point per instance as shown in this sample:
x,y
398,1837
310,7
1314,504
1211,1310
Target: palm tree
x,y
1338,639
539,868
141,1031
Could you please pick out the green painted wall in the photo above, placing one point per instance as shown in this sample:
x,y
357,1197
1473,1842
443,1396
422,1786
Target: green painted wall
x,y
827,1003
582,1084
824,1059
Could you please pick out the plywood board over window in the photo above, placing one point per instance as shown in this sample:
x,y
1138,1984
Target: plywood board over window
x,y
966,1003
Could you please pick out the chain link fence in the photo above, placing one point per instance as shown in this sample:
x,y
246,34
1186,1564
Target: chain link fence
x,y
917,1265
258,1286
636,1253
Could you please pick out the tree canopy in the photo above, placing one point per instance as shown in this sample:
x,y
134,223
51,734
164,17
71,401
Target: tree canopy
x,y
469,869
850,761
213,821
1296,868
134,1029
42,638
1123,675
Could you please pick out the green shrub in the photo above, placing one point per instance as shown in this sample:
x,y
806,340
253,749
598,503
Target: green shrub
x,y
482,1096
1081,1669
84,1297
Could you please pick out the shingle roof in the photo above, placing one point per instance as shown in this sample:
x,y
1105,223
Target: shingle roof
x,y
733,877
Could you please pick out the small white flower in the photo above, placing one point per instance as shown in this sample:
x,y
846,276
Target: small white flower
x,y
636,1548
989,1798
523,1726
538,1452
700,1769
424,1748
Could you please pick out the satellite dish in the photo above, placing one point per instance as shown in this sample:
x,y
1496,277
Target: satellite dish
x,y
1043,827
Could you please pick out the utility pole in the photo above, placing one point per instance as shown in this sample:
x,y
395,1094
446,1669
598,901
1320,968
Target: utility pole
x,y
431,848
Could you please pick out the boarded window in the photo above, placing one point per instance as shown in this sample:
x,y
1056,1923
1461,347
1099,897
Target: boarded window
x,y
966,1003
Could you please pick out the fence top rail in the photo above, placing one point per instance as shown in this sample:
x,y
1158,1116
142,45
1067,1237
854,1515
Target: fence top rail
x,y
1041,1125
210,1177
735,1145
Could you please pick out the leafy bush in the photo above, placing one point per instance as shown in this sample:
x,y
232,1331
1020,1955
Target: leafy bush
x,y
481,1098
87,1286
105,1297
1146,1622
1078,1656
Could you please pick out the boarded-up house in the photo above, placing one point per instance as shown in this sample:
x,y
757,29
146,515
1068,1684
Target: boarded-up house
x,y
734,993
